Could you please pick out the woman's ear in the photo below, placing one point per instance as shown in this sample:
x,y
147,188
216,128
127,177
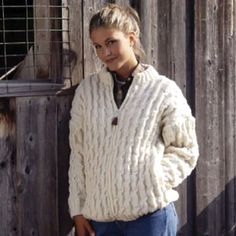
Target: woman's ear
x,y
132,38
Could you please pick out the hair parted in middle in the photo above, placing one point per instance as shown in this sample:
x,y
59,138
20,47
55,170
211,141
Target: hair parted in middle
x,y
121,17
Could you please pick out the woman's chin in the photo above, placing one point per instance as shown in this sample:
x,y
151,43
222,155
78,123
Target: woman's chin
x,y
112,67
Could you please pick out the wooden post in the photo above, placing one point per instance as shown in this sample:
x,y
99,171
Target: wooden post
x,y
42,38
8,207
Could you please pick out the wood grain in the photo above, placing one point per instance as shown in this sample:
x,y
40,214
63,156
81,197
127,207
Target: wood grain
x,y
37,165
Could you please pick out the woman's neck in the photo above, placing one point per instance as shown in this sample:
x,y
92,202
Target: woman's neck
x,y
127,69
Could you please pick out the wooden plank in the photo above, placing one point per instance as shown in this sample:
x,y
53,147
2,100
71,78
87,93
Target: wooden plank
x,y
21,88
175,66
163,26
76,39
63,150
210,109
37,166
8,208
229,72
148,12
177,47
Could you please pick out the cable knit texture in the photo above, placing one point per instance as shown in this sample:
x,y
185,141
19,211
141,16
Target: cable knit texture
x,y
123,171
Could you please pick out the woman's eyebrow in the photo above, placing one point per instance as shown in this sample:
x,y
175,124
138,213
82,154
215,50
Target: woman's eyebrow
x,y
95,43
108,39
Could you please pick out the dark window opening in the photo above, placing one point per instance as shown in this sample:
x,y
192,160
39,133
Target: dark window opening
x,y
16,33
34,42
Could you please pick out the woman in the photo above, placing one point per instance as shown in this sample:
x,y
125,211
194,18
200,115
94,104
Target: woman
x,y
132,137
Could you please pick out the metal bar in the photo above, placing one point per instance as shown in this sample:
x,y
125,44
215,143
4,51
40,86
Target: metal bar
x,y
31,42
10,67
9,72
4,37
19,55
35,40
34,18
34,66
31,6
27,26
48,15
23,55
32,30
13,55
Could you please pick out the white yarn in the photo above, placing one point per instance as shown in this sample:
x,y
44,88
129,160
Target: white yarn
x,y
123,171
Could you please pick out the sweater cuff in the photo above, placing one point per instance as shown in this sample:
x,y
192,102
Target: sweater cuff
x,y
74,208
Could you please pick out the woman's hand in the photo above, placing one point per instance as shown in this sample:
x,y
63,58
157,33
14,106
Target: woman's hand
x,y
82,226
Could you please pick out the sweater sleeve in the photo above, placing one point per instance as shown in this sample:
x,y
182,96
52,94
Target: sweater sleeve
x,y
76,168
179,136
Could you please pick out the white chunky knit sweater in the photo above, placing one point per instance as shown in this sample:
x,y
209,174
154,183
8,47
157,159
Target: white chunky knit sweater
x,y
123,171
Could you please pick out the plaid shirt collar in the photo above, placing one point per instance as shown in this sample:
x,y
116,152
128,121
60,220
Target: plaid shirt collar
x,y
139,68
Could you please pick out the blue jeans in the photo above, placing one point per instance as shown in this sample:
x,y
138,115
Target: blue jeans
x,y
162,222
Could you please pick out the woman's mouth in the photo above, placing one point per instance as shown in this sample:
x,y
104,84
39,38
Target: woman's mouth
x,y
110,60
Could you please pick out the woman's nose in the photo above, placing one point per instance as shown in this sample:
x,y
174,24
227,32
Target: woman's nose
x,y
107,51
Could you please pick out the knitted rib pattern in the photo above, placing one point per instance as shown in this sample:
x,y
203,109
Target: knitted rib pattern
x,y
123,171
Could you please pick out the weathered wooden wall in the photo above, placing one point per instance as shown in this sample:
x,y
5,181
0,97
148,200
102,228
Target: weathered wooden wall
x,y
215,73
34,163
192,42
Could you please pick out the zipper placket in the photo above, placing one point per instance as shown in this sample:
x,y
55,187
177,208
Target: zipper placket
x,y
116,112
113,143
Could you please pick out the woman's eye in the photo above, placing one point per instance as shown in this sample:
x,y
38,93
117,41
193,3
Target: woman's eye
x,y
97,46
111,42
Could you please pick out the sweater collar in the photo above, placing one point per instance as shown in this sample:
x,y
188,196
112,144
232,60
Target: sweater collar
x,y
138,69
105,76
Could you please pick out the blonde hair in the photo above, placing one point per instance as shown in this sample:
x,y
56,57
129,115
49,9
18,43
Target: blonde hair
x,y
123,18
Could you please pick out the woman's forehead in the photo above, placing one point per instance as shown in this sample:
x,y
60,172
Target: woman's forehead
x,y
102,34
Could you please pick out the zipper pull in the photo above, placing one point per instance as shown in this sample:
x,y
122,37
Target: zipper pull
x,y
114,121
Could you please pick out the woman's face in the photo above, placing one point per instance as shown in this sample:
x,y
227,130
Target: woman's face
x,y
115,49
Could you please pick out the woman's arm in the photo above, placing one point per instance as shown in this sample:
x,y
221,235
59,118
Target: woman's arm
x,y
179,136
76,169
83,226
